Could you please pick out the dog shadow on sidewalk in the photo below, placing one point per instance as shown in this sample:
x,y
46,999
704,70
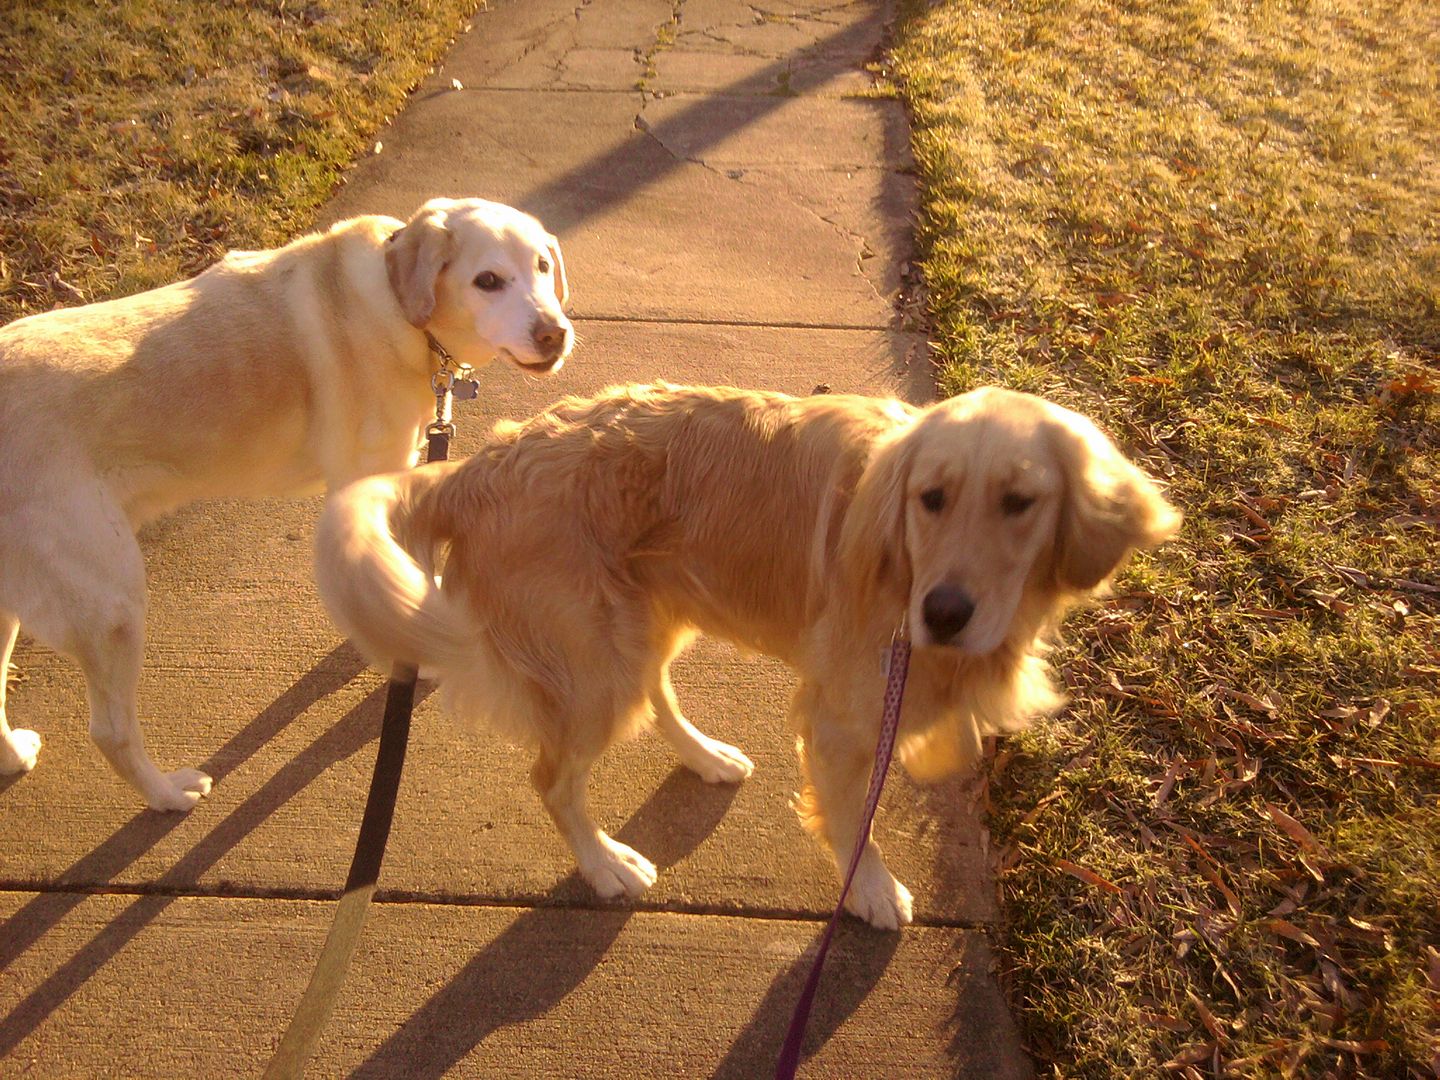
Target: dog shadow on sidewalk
x,y
542,956
357,728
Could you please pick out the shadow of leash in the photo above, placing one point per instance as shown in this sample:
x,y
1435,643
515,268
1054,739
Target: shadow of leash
x,y
549,950
360,726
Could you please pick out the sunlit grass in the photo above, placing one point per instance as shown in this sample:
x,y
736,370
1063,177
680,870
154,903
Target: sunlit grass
x,y
1214,227
141,140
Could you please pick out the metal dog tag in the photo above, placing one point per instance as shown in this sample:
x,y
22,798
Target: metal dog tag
x,y
465,389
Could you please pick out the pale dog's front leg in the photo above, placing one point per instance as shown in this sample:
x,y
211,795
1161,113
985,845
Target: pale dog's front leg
x,y
832,807
111,662
19,748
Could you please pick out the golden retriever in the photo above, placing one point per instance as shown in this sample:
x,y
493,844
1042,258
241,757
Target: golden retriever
x,y
272,373
588,545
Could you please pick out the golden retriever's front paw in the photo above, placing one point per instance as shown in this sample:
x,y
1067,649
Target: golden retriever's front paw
x,y
617,870
720,763
19,752
879,899
183,789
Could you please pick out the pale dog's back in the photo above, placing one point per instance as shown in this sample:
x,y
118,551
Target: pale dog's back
x,y
162,393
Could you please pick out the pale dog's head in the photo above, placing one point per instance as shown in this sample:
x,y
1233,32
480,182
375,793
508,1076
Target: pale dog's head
x,y
992,504
486,280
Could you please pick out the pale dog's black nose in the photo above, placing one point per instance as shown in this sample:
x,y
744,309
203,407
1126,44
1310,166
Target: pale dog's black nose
x,y
946,610
549,339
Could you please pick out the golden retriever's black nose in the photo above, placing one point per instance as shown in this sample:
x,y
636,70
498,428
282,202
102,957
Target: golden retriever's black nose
x,y
549,339
946,610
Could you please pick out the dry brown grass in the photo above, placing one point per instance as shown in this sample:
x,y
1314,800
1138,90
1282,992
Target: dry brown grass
x,y
1215,226
139,140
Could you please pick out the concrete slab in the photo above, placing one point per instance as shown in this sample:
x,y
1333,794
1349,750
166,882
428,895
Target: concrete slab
x,y
813,135
128,986
852,32
652,228
714,45
534,44
690,69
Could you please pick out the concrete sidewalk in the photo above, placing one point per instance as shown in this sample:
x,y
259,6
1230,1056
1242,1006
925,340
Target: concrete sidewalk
x,y
732,209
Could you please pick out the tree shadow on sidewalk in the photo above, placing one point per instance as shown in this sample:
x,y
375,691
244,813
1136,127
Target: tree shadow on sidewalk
x,y
356,729
541,957
858,959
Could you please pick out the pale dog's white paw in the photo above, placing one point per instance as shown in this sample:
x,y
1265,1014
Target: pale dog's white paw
x,y
618,870
879,899
720,763
184,788
19,752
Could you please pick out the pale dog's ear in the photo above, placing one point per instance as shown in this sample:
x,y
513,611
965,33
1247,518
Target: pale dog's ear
x,y
872,541
557,261
1110,507
414,257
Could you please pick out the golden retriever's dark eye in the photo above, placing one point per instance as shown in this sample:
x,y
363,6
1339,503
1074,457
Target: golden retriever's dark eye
x,y
543,266
933,499
489,281
1014,503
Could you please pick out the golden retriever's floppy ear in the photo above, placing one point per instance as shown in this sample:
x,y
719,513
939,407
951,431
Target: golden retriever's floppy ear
x,y
414,257
1110,508
557,261
872,540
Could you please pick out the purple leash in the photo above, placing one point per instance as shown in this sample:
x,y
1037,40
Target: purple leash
x,y
889,720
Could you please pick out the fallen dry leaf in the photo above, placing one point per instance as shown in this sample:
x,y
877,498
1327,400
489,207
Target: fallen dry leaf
x,y
1165,1021
1192,1055
1207,1017
1291,931
1369,1046
1294,830
1088,876
1267,704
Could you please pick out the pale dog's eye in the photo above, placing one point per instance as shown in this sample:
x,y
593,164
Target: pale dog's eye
x,y
933,499
543,266
1013,503
489,281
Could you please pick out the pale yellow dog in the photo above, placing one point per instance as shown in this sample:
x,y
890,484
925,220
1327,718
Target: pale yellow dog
x,y
272,373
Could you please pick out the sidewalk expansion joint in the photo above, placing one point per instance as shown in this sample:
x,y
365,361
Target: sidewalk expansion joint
x,y
398,898
749,324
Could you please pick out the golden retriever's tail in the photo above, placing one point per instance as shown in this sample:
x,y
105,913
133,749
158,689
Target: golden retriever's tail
x,y
381,594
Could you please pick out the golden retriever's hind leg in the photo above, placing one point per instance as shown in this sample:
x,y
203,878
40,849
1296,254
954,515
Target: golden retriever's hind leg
x,y
19,748
837,771
611,868
714,761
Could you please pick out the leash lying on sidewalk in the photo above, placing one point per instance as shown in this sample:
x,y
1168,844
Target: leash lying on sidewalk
x,y
311,1015
899,667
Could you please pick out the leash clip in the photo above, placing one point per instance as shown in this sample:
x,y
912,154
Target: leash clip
x,y
451,380
901,632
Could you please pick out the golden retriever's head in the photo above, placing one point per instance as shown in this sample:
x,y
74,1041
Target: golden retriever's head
x,y
486,279
992,505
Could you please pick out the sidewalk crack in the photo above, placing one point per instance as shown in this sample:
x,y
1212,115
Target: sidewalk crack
x,y
737,174
544,34
665,35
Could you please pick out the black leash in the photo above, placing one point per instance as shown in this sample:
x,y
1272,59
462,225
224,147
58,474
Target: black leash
x,y
315,1007
313,1012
